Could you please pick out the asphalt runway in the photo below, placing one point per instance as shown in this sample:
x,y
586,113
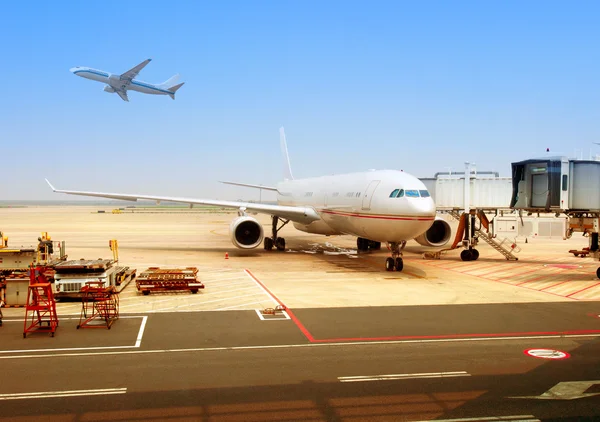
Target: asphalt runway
x,y
397,363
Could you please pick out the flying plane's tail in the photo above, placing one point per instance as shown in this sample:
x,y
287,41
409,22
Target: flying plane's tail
x,y
171,81
287,169
174,89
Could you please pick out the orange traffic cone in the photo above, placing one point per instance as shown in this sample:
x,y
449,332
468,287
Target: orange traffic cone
x,y
226,255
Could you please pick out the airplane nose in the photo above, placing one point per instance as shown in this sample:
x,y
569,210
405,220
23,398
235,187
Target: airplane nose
x,y
73,69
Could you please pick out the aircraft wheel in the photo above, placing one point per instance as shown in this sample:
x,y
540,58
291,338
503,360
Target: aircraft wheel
x,y
474,254
280,244
465,255
598,272
268,243
399,264
389,264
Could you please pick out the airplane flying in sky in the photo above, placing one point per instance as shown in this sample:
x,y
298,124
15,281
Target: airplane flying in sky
x,y
375,206
126,81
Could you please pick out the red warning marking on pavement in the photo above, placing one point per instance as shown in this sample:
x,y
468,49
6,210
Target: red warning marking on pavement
x,y
547,354
564,266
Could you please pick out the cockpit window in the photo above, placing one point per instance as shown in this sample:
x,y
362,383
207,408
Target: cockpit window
x,y
397,193
424,194
412,193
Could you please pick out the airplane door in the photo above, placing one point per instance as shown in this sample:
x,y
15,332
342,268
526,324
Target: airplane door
x,y
539,190
368,196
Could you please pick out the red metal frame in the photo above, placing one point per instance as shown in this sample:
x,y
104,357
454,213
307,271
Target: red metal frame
x,y
98,303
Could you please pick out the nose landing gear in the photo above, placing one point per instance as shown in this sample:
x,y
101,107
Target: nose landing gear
x,y
395,262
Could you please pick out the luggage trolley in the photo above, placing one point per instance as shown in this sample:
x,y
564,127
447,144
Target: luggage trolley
x,y
99,303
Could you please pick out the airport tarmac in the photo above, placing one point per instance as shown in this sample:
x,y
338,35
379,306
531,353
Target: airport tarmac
x,y
443,339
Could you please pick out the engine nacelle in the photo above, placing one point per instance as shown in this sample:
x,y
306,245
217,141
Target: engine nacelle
x,y
109,88
437,235
246,232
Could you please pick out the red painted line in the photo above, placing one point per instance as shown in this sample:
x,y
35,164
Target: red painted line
x,y
579,291
557,284
458,336
379,217
300,326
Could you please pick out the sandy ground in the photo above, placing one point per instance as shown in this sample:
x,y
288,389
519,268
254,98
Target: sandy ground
x,y
315,271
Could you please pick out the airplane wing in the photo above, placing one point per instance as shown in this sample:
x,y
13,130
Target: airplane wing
x,y
122,94
303,215
133,72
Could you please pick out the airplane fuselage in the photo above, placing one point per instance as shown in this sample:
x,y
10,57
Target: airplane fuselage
x,y
362,204
114,81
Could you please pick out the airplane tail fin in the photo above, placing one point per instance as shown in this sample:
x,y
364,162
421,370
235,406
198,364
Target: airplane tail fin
x,y
171,81
174,89
287,169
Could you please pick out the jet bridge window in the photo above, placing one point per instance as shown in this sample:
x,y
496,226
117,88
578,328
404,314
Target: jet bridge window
x,y
424,193
412,193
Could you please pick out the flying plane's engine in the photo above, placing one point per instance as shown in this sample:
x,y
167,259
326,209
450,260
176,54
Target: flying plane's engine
x,y
246,232
109,88
437,235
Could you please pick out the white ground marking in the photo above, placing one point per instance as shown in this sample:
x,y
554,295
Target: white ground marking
x,y
69,393
138,341
261,316
287,346
237,306
362,378
566,390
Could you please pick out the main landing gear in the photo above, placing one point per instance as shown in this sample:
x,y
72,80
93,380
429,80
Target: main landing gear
x,y
395,261
469,254
278,242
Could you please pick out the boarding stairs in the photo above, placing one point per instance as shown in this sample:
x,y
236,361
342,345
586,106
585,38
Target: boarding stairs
x,y
506,247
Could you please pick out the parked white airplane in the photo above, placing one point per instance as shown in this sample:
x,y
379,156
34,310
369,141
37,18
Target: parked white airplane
x,y
376,206
126,81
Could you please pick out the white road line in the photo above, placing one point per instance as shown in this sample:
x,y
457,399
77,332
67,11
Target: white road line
x,y
362,378
70,393
520,418
237,306
137,344
262,317
138,341
278,346
218,280
202,303
262,288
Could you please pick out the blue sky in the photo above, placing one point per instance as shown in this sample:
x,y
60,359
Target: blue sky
x,y
421,86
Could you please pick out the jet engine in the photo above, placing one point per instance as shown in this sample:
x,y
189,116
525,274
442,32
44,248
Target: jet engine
x,y
437,235
109,88
246,232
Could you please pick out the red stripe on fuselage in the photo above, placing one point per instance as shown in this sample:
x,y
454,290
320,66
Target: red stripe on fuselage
x,y
378,217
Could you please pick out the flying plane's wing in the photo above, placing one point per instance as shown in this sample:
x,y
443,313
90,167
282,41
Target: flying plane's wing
x,y
302,215
133,72
122,94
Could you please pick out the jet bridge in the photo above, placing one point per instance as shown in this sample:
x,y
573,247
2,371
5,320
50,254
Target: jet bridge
x,y
562,186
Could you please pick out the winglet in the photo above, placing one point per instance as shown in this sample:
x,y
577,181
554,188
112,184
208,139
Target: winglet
x,y
287,168
50,184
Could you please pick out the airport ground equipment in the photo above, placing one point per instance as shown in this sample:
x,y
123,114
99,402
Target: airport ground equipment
x,y
168,279
561,185
40,311
71,276
99,303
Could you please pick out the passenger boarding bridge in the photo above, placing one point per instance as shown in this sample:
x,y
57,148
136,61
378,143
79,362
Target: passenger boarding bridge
x,y
562,186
